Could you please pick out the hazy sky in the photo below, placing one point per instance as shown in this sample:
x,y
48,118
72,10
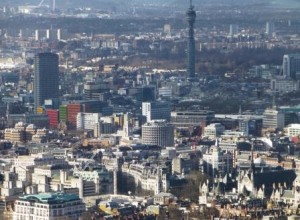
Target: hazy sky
x,y
197,3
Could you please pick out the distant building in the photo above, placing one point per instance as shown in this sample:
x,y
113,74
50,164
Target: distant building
x,y
270,28
156,111
167,29
11,187
216,162
49,206
102,127
158,133
53,115
45,78
191,17
191,118
87,120
143,93
22,133
51,34
37,35
112,44
264,183
213,130
273,119
62,34
291,66
40,159
39,120
147,177
165,92
292,130
284,85
250,126
91,183
233,30
182,165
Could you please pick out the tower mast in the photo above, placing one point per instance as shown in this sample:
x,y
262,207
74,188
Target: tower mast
x,y
191,17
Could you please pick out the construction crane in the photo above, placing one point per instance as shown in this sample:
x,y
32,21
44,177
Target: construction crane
x,y
39,5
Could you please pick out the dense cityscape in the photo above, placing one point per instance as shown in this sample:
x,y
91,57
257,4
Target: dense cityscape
x,y
155,110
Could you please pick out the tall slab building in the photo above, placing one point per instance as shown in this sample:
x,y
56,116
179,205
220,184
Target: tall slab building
x,y
291,66
46,78
191,17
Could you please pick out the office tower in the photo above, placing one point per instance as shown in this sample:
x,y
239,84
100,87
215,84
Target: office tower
x,y
291,66
37,35
156,111
51,34
270,28
158,133
87,121
250,126
143,93
45,78
62,34
53,5
273,119
167,29
233,30
190,17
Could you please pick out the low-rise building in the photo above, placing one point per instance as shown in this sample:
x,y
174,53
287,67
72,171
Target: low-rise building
x,y
149,178
292,130
214,130
48,206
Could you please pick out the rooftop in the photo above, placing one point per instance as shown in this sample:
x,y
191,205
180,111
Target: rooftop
x,y
50,198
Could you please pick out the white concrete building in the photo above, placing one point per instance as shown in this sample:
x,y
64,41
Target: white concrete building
x,y
273,118
156,111
149,178
87,120
284,85
292,130
39,159
165,91
214,130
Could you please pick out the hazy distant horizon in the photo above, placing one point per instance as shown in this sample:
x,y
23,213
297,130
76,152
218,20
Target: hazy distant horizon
x,y
287,3
128,3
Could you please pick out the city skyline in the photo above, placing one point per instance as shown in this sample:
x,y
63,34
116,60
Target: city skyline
x,y
149,109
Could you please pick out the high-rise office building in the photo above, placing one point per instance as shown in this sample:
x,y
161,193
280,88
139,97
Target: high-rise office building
x,y
156,111
291,66
45,78
233,30
270,28
273,118
191,17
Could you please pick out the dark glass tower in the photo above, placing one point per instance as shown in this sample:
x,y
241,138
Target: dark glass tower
x,y
191,17
45,78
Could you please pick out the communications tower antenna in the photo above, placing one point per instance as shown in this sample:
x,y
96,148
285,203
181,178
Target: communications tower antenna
x,y
191,17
